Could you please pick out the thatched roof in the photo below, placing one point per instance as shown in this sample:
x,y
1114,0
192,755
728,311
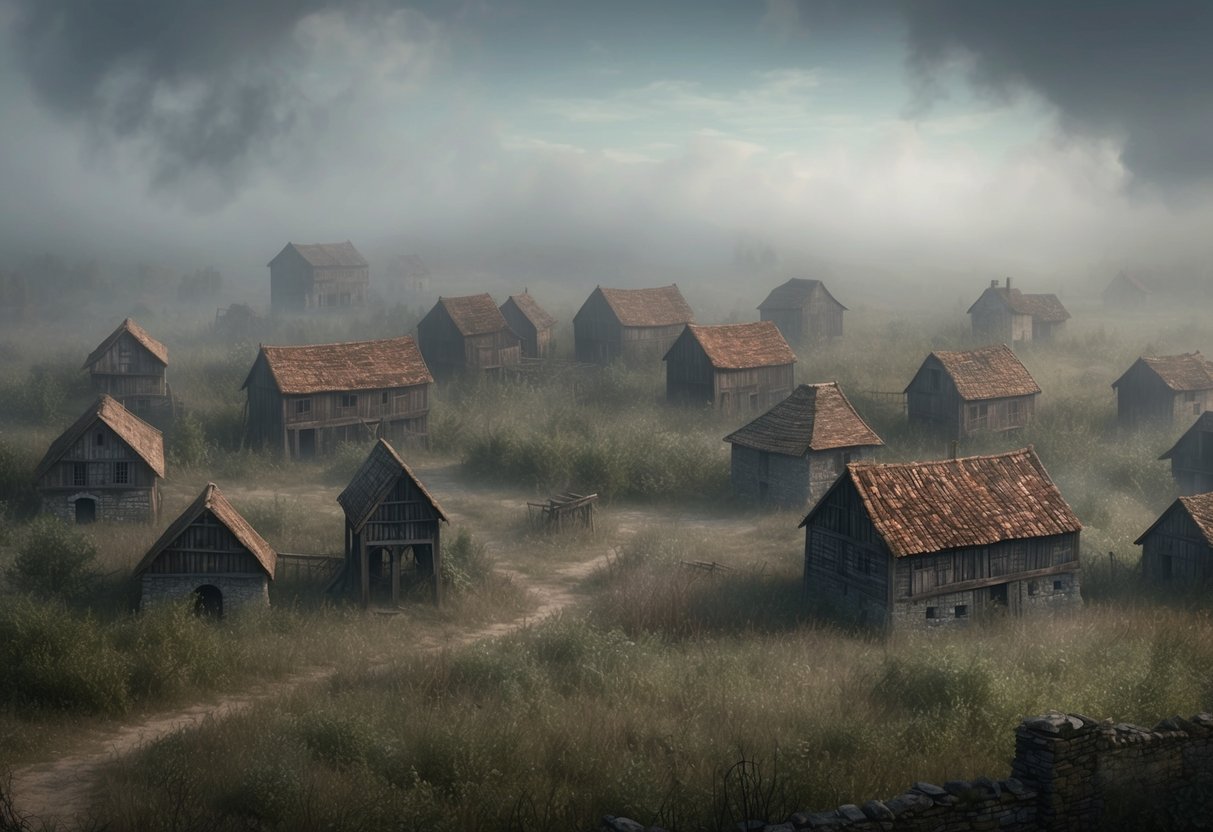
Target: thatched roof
x,y
661,306
211,499
1203,423
986,373
139,436
921,507
374,480
1198,506
741,346
1043,307
474,314
815,417
1184,373
327,255
794,294
532,311
354,365
158,350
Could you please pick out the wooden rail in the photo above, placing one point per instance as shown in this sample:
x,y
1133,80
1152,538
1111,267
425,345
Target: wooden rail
x,y
320,569
563,510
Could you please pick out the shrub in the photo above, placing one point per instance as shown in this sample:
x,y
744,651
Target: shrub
x,y
465,563
54,561
187,446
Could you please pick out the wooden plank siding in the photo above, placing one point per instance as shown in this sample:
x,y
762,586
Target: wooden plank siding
x,y
127,368
295,284
449,353
1142,398
95,461
599,337
993,320
1175,554
206,547
933,401
691,379
536,343
1192,458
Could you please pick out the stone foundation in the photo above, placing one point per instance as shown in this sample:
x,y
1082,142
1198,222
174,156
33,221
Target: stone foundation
x,y
133,506
239,591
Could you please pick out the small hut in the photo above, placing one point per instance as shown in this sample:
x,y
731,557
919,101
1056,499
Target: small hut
x,y
637,326
1177,551
467,334
732,367
1009,315
318,276
972,391
790,455
210,552
1164,389
1192,457
106,466
1126,292
804,311
923,544
531,323
130,366
391,520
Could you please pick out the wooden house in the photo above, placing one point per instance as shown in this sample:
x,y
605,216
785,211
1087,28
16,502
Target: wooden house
x,y
637,326
972,391
732,367
790,455
1177,551
391,521
922,544
531,323
318,276
1164,389
130,366
209,553
804,311
1011,316
1192,457
106,466
309,399
467,334
1126,292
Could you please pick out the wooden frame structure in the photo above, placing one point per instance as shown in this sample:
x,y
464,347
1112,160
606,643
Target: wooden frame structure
x,y
562,511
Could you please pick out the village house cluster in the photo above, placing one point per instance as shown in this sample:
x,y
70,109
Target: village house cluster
x,y
902,545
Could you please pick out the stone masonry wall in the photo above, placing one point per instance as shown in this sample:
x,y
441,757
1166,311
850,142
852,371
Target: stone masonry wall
x,y
238,591
1070,773
133,506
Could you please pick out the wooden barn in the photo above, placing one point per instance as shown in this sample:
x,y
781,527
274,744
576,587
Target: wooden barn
x,y
791,455
209,553
972,391
1192,457
318,276
106,466
1164,389
307,400
924,544
467,334
391,522
1011,316
130,366
1177,551
804,311
531,323
1126,292
637,326
732,367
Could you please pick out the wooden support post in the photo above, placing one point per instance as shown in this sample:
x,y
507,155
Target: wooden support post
x,y
364,573
436,564
397,554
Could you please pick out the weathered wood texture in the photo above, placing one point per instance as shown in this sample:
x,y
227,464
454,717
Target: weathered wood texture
x,y
131,366
1177,551
789,481
1164,390
804,311
1192,457
933,400
1008,315
733,368
319,276
635,326
467,334
530,323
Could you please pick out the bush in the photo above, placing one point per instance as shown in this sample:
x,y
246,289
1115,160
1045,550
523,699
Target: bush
x,y
465,563
187,446
54,561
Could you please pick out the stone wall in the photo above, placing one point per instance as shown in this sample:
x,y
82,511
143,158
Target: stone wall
x,y
1069,773
238,590
1051,593
130,506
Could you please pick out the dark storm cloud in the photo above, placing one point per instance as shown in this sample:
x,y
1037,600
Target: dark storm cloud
x,y
1140,73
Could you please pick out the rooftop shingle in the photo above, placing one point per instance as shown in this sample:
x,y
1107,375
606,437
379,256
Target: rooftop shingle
x,y
212,499
355,365
743,346
661,306
986,373
814,417
143,439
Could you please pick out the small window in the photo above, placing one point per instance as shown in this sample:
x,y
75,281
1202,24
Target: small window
x,y
79,473
1033,587
931,613
383,397
1057,586
100,439
122,473
349,400
962,610
303,407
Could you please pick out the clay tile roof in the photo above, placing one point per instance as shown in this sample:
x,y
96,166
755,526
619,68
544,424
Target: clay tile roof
x,y
662,306
142,438
474,314
920,507
815,417
794,294
372,482
1182,373
531,310
139,334
1204,422
987,373
211,499
355,365
328,255
742,346
1043,307
1198,506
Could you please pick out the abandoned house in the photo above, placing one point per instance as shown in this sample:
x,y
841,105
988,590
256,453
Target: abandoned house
x,y
1177,551
307,400
392,522
1164,389
732,367
971,391
804,311
210,553
106,466
922,544
1011,316
637,326
531,323
130,366
1126,292
790,455
1192,457
467,334
318,276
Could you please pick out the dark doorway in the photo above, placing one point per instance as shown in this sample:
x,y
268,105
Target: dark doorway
x,y
307,443
998,595
208,601
86,511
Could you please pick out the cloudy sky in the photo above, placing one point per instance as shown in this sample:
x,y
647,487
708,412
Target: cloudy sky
x,y
957,136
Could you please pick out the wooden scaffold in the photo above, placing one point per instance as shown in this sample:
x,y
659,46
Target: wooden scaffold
x,y
563,511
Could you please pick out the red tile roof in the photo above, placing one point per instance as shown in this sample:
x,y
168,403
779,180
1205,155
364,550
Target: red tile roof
x,y
742,346
142,438
1182,373
987,373
158,350
815,417
211,499
1198,506
532,311
794,294
474,314
662,306
355,365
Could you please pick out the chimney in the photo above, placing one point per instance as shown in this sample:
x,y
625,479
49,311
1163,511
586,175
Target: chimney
x,y
1008,284
993,284
954,450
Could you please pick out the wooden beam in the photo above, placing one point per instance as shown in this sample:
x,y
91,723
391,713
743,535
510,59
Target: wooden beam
x,y
364,574
981,583
436,563
397,553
